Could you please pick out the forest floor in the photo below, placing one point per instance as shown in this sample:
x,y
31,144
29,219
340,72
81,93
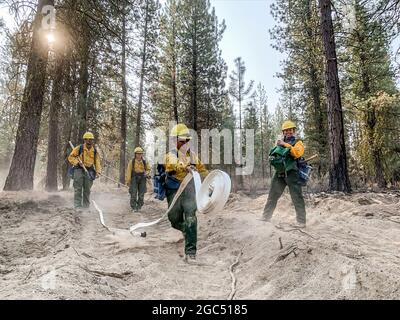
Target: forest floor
x,y
349,250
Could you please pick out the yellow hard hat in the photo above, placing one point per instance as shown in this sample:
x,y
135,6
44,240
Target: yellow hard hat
x,y
138,150
180,131
88,135
288,125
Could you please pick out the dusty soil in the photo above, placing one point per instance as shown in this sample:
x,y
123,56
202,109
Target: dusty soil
x,y
349,250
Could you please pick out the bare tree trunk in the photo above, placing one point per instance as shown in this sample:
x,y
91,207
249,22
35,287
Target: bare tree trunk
x,y
69,123
22,167
315,88
194,72
122,155
174,61
55,108
338,175
315,91
83,89
262,145
91,114
240,177
142,71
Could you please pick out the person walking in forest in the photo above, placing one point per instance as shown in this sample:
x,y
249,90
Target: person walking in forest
x,y
84,156
137,172
178,163
283,158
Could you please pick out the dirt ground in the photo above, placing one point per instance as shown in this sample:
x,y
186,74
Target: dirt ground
x,y
349,250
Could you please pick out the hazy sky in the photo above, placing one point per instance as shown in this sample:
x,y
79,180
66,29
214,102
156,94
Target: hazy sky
x,y
247,36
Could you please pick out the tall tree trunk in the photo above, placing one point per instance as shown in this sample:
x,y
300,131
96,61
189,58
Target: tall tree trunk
x,y
69,124
122,155
142,72
55,108
315,88
22,167
240,177
262,144
91,114
338,175
194,72
83,89
240,95
173,84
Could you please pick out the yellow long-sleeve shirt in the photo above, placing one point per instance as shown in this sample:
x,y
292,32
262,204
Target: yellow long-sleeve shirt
x,y
138,167
297,150
179,163
87,157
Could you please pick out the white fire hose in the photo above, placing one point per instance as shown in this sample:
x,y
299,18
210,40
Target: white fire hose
x,y
211,196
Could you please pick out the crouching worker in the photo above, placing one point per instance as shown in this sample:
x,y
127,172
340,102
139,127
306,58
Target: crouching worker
x,y
83,181
178,162
137,172
283,158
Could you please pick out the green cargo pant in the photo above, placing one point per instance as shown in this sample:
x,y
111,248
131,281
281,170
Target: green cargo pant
x,y
137,189
278,185
183,216
82,185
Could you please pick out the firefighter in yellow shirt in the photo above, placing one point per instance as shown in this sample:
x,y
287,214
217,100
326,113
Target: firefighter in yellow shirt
x,y
91,160
137,172
177,163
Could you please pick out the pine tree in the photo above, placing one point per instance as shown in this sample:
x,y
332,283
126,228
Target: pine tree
x,y
265,121
237,86
251,121
167,97
124,100
297,34
22,167
201,67
368,75
147,27
338,174
240,94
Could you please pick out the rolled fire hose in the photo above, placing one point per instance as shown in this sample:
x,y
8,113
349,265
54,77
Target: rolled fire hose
x,y
211,196
217,181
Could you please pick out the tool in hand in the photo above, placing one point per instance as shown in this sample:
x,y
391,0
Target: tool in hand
x,y
79,160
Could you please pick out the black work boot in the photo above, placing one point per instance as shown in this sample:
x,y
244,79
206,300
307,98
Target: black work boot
x,y
190,257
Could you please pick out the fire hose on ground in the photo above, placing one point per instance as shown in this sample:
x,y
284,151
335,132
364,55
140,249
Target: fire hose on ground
x,y
217,181
207,202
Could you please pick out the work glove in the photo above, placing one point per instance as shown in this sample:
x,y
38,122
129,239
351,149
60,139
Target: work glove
x,y
191,167
280,143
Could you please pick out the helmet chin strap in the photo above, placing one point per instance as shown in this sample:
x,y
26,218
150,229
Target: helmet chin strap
x,y
184,148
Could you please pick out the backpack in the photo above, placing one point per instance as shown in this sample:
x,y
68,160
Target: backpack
x,y
133,168
304,171
92,171
163,181
159,182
